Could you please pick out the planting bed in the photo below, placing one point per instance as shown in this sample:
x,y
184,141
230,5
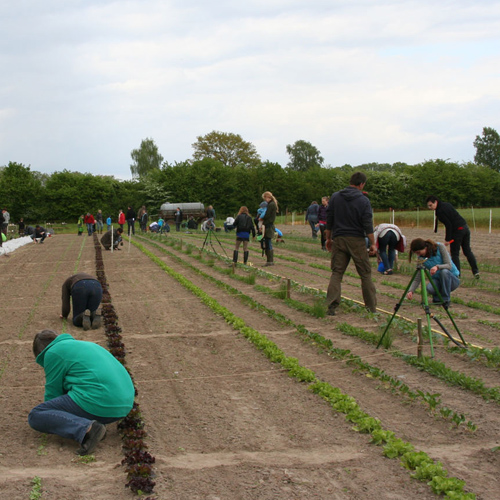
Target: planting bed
x,y
225,422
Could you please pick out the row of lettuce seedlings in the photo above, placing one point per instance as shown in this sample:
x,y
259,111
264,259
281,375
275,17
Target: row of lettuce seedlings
x,y
423,466
138,461
432,400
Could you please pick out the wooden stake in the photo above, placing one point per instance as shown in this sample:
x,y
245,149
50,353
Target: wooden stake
x,y
288,288
420,338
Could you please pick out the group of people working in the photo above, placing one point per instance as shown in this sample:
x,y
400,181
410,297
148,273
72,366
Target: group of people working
x,y
87,388
349,231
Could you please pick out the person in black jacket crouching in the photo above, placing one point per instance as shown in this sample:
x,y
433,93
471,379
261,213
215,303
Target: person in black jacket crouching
x,y
457,232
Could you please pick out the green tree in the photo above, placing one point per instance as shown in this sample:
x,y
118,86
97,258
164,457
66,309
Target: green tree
x,y
146,159
303,156
227,148
70,194
21,191
488,149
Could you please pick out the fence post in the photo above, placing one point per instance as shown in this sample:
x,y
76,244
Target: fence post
x,y
288,288
420,345
491,217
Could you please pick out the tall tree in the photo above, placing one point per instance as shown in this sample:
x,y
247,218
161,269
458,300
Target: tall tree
x,y
303,156
229,149
21,192
488,149
146,159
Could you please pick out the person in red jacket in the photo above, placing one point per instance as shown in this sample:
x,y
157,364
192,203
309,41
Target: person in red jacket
x,y
90,221
121,218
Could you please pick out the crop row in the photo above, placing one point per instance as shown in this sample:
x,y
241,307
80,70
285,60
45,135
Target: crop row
x,y
423,466
138,461
490,357
361,366
437,369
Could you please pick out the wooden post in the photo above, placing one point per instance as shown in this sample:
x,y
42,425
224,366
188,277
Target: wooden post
x,y
420,338
288,288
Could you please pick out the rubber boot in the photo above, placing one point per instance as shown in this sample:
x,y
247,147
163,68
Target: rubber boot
x,y
270,258
245,257
235,256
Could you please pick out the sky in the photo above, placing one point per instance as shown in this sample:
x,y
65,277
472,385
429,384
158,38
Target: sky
x,y
83,82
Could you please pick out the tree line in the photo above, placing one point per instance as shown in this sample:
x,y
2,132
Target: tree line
x,y
64,196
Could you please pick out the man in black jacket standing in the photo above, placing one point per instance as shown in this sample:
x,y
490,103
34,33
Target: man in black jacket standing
x,y
457,232
130,220
349,219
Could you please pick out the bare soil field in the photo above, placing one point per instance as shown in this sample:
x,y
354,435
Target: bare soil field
x,y
223,421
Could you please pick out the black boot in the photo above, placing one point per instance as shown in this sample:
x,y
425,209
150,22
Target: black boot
x,y
245,257
235,256
270,258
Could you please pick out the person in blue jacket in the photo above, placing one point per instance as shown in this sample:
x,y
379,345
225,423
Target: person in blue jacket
x,y
86,387
443,271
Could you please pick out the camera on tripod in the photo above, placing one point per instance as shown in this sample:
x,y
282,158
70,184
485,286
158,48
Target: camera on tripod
x,y
420,263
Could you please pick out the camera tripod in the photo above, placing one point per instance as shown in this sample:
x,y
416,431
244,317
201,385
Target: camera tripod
x,y
424,273
208,241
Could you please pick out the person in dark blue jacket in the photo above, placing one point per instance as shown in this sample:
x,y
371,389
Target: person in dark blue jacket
x,y
312,217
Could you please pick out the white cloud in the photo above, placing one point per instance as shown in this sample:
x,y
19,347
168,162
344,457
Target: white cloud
x,y
83,82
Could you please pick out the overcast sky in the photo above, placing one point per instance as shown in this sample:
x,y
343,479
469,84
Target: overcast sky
x,y
82,82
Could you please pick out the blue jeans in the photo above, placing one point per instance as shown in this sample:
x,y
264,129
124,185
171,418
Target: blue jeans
x,y
62,416
313,223
268,243
85,294
387,249
445,282
90,228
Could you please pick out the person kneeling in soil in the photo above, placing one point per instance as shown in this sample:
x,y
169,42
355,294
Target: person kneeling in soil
x,y
443,271
86,294
117,238
86,387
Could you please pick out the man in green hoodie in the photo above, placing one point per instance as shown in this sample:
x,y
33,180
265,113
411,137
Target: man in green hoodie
x,y
86,387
